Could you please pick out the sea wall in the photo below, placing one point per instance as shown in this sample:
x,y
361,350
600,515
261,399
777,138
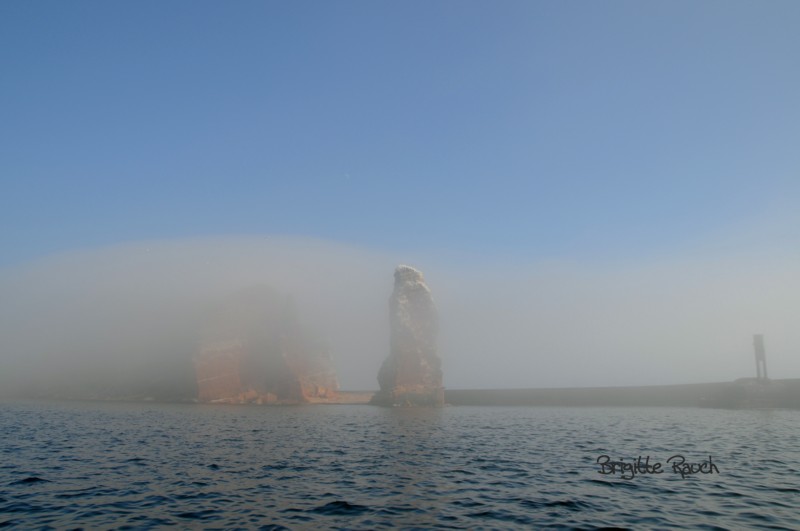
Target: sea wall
x,y
744,393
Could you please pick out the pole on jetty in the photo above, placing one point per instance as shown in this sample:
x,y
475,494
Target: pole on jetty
x,y
761,357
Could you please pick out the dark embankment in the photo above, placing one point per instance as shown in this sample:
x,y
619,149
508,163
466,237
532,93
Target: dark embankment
x,y
744,393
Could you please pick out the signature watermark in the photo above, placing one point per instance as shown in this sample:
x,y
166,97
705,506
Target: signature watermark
x,y
642,465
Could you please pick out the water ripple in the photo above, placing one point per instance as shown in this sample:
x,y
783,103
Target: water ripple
x,y
134,466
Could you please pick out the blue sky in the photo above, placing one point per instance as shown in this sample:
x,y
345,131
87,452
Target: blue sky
x,y
525,130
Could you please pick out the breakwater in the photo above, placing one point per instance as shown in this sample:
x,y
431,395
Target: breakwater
x,y
743,393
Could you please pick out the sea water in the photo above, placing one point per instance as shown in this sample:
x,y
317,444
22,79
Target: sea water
x,y
94,464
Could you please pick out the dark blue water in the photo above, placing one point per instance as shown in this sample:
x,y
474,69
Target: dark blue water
x,y
360,467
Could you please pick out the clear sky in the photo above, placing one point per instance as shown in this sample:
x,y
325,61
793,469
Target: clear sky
x,y
527,130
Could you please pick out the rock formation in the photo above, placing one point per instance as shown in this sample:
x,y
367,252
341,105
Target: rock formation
x,y
412,373
255,351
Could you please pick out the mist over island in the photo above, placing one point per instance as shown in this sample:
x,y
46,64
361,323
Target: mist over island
x,y
128,320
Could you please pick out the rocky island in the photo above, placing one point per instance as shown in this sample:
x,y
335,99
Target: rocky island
x,y
254,350
254,347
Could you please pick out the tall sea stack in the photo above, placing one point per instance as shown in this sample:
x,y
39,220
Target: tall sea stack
x,y
412,374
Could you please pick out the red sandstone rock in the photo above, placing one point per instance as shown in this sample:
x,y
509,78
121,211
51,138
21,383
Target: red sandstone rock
x,y
255,351
412,374
218,369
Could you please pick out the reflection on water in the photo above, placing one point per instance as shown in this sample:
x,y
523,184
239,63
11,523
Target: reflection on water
x,y
104,464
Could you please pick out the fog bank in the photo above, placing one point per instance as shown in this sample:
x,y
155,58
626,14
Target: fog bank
x,y
134,312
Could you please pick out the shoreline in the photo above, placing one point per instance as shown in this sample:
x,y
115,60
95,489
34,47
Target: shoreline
x,y
745,393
